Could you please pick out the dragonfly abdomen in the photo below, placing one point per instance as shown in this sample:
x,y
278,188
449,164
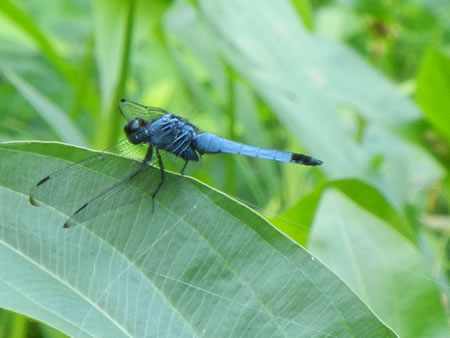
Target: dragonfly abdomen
x,y
207,143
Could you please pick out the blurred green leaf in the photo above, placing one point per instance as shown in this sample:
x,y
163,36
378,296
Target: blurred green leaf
x,y
371,200
83,93
12,324
307,80
433,90
54,116
383,268
33,31
440,7
113,32
337,22
16,325
304,9
233,113
249,124
297,221
400,169
198,263
194,50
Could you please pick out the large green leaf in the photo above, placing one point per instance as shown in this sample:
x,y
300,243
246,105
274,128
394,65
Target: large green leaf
x,y
200,265
382,266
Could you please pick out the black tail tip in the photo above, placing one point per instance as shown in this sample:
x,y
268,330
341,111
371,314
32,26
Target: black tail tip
x,y
305,160
315,162
123,100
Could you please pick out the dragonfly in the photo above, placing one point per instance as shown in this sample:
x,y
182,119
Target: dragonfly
x,y
153,136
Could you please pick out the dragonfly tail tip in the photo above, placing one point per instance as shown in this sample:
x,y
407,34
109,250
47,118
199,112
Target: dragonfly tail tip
x,y
305,160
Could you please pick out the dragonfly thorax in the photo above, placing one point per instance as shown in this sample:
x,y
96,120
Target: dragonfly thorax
x,y
172,133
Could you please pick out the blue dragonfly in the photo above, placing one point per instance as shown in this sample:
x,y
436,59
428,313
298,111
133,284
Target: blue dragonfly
x,y
156,137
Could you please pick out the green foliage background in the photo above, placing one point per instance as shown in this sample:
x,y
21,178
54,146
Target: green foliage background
x,y
362,85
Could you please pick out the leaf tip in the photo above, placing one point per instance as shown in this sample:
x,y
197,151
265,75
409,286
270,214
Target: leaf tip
x,y
33,201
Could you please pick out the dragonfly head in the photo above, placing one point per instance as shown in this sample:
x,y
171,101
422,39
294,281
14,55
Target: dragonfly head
x,y
132,129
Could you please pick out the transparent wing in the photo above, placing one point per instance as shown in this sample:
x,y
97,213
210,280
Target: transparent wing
x,y
143,181
103,182
126,149
71,187
131,110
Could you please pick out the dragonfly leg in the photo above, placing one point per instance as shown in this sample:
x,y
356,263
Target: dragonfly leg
x,y
161,167
149,154
184,167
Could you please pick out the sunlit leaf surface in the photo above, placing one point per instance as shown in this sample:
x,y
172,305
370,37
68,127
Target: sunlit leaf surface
x,y
200,265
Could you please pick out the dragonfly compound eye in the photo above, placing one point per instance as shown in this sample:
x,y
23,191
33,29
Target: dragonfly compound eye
x,y
134,125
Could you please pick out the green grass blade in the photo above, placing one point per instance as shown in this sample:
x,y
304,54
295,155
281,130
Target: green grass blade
x,y
54,116
28,26
113,34
433,90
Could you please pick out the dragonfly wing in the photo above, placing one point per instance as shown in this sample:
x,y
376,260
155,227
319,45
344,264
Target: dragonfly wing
x,y
143,181
103,182
70,188
131,110
126,149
